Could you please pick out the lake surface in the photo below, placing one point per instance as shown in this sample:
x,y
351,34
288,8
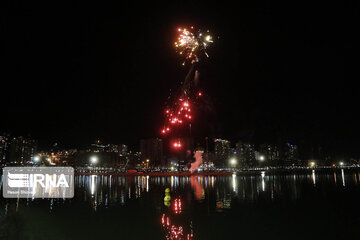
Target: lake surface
x,y
289,206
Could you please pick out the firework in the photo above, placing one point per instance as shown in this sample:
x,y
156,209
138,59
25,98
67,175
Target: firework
x,y
191,44
178,114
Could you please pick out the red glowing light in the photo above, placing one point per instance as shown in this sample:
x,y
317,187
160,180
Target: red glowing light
x,y
200,94
177,144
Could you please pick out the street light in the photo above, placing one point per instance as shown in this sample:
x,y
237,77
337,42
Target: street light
x,y
261,158
233,162
94,159
36,159
312,164
341,163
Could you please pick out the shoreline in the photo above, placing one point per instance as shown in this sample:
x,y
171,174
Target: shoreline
x,y
156,174
268,172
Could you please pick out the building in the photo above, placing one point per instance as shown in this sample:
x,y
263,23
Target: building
x,y
246,154
271,154
21,150
290,155
222,151
4,147
152,149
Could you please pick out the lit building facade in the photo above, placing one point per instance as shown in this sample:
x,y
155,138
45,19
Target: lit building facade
x,y
271,154
21,150
246,154
291,154
222,151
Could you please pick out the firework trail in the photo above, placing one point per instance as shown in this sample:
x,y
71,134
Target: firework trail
x,y
192,46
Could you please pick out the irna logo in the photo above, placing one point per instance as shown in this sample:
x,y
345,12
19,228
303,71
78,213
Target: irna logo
x,y
38,182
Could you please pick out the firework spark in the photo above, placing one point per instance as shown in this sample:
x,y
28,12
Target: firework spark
x,y
191,44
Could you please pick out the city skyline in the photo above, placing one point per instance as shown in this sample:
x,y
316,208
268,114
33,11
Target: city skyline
x,y
154,151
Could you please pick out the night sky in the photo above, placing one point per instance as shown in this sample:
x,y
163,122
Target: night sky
x,y
279,71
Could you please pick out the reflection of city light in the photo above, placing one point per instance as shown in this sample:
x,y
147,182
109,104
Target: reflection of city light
x,y
313,177
343,177
263,180
93,184
234,182
147,183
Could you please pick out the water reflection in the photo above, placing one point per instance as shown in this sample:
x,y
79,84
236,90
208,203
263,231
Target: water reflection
x,y
197,188
110,190
313,177
234,183
263,180
343,177
213,195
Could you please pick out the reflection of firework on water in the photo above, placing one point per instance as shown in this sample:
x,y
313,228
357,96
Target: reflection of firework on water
x,y
177,206
173,231
191,43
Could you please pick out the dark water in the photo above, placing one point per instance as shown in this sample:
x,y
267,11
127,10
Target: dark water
x,y
292,206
